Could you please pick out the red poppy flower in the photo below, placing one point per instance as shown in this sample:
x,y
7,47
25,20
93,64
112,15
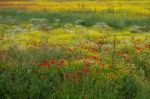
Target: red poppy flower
x,y
43,64
87,63
94,51
94,58
61,62
53,61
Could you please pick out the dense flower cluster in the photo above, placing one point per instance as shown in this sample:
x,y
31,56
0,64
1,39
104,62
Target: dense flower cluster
x,y
50,63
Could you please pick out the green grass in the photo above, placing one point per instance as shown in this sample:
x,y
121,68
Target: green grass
x,y
117,20
71,61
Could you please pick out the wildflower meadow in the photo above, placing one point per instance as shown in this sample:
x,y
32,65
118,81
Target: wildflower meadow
x,y
74,49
